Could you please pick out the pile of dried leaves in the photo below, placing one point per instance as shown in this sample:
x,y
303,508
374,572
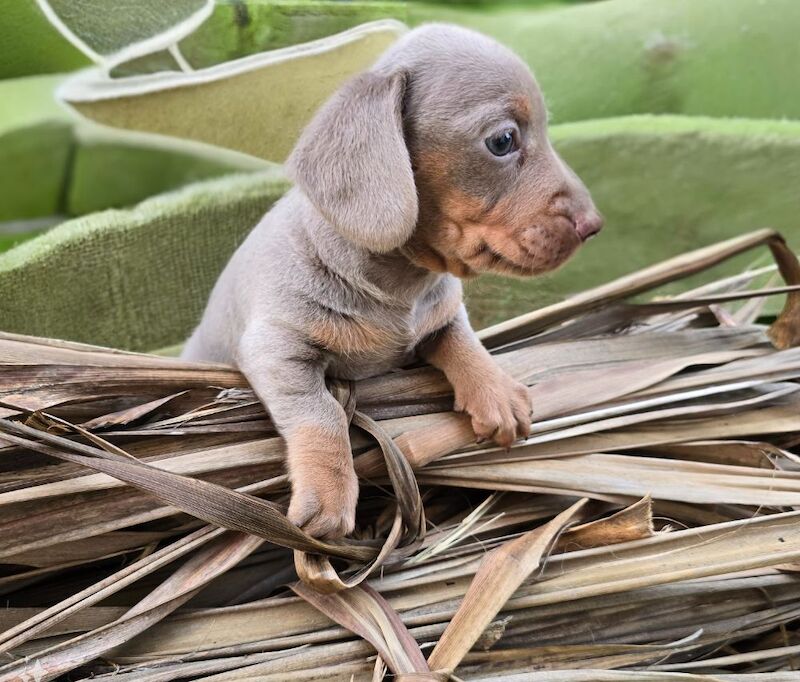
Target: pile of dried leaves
x,y
647,526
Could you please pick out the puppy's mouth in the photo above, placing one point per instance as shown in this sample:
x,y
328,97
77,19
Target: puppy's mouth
x,y
486,259
526,252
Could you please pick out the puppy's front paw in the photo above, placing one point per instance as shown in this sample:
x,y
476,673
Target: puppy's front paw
x,y
324,500
500,408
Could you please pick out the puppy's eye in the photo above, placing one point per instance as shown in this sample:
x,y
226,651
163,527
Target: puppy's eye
x,y
502,143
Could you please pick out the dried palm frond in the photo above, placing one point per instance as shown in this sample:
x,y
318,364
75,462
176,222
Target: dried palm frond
x,y
649,528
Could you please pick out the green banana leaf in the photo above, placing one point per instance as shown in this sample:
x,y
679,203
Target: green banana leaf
x,y
235,28
699,57
113,170
51,167
133,278
36,140
238,28
31,45
256,105
137,29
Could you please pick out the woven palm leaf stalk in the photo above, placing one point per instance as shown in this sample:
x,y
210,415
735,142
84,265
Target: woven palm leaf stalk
x,y
646,530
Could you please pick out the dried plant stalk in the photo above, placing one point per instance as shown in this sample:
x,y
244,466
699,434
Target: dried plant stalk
x,y
647,529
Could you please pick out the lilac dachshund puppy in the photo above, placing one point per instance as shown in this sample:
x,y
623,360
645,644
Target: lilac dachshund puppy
x,y
433,166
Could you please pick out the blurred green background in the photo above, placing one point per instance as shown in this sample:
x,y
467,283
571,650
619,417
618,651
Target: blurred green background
x,y
144,174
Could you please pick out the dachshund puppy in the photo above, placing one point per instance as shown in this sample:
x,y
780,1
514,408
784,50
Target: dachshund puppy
x,y
432,166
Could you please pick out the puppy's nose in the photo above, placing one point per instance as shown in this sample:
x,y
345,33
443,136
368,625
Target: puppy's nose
x,y
588,224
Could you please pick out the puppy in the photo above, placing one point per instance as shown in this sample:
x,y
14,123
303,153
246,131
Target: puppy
x,y
432,166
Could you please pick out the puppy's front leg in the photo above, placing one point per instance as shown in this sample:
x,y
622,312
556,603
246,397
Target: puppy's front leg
x,y
290,381
499,406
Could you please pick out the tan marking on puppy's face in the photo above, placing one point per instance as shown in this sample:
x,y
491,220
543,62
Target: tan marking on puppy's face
x,y
467,238
520,108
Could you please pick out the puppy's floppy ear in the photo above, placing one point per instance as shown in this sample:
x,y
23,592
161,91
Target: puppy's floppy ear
x,y
352,162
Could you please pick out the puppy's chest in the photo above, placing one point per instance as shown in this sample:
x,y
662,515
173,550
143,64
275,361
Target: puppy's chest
x,y
366,344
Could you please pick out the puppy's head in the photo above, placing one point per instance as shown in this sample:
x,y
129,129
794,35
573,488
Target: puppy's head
x,y
442,150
